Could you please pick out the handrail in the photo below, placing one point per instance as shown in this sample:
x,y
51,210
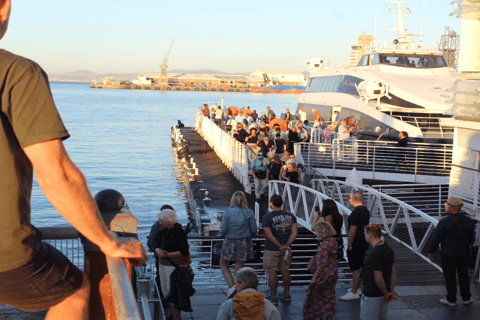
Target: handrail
x,y
301,204
232,153
378,161
124,298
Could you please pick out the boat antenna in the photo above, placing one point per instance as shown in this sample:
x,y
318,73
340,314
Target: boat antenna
x,y
375,31
421,30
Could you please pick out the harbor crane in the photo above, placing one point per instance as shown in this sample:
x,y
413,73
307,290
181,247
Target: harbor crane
x,y
164,66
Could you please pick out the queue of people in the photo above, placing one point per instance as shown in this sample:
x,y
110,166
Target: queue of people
x,y
377,273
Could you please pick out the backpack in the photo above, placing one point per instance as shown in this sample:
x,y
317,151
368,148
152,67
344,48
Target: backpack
x,y
248,305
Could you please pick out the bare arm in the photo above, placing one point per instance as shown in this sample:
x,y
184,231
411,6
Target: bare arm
x,y
351,236
65,187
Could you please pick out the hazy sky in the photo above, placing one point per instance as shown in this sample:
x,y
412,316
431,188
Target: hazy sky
x,y
116,36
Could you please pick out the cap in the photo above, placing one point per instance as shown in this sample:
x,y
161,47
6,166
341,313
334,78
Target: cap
x,y
454,202
260,154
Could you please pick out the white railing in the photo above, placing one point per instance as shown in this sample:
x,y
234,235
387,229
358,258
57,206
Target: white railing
x,y
301,201
426,124
428,198
232,153
381,161
465,184
403,222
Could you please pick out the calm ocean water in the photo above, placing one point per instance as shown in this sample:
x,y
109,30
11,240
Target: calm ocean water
x,y
120,139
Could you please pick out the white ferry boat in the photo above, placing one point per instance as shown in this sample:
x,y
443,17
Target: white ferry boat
x,y
400,87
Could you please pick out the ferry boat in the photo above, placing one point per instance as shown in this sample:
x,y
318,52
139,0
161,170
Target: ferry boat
x,y
400,87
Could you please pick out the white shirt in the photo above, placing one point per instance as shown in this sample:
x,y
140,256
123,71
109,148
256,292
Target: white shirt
x,y
342,135
303,115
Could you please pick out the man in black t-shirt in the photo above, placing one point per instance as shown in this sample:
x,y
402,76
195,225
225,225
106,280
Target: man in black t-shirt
x,y
273,168
357,245
379,277
280,228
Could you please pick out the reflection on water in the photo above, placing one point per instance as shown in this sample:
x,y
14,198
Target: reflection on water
x,y
121,140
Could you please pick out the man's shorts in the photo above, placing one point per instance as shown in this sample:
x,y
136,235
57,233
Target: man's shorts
x,y
355,258
42,283
273,261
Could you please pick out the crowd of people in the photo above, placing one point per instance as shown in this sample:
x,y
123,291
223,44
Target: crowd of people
x,y
376,274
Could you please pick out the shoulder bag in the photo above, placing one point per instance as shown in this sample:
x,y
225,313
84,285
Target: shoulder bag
x,y
471,250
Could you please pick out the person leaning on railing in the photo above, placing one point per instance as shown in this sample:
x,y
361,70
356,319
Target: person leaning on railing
x,y
35,276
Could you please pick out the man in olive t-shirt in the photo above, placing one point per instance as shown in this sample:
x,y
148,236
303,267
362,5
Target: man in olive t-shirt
x,y
33,275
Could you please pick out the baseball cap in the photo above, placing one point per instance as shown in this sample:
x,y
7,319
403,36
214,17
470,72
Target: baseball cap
x,y
260,154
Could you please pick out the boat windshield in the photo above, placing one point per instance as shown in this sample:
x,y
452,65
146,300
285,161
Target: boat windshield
x,y
409,60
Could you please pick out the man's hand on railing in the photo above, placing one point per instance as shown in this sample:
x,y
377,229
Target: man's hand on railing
x,y
128,248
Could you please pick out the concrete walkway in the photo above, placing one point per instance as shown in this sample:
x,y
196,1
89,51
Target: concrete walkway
x,y
415,302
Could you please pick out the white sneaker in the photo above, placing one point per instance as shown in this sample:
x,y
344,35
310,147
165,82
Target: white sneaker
x,y
447,303
468,302
350,296
231,292
359,291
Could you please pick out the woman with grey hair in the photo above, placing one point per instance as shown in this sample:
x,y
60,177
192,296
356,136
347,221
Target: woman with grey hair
x,y
292,173
246,283
320,299
238,227
173,252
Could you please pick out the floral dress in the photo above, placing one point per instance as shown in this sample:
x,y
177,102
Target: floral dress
x,y
320,299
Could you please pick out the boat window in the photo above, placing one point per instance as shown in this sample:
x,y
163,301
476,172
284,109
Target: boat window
x,y
436,62
394,60
376,59
416,62
363,61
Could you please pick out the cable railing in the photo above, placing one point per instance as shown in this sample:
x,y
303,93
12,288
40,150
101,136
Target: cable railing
x,y
381,161
232,153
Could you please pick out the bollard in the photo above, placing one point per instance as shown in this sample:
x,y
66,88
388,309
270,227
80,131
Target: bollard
x,y
119,219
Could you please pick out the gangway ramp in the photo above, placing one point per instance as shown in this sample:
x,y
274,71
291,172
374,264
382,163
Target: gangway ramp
x,y
406,229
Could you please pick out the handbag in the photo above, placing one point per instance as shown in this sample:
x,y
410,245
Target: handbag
x,y
471,249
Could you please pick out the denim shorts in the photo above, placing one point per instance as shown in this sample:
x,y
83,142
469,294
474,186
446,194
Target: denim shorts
x,y
42,283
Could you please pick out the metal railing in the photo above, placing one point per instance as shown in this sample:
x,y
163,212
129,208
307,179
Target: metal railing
x,y
465,184
428,198
401,221
232,153
67,240
205,255
426,124
379,161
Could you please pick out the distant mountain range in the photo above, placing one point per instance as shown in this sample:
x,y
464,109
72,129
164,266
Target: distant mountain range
x,y
88,76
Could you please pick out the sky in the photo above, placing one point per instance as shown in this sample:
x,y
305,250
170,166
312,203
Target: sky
x,y
117,36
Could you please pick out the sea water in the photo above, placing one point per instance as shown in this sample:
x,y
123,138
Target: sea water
x,y
120,139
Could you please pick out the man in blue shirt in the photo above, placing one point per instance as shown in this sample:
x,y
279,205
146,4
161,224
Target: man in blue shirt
x,y
259,172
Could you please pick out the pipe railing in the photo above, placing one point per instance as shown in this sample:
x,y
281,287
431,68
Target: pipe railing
x,y
124,298
232,153
428,197
381,162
